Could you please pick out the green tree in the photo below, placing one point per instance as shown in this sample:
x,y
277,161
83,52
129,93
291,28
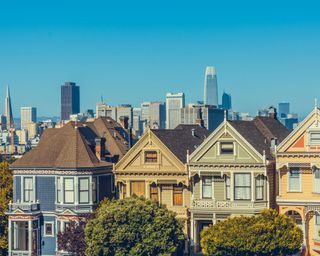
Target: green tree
x,y
268,233
133,226
6,185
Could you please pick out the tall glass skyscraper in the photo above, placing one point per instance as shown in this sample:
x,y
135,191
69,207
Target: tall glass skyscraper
x,y
210,87
70,100
226,101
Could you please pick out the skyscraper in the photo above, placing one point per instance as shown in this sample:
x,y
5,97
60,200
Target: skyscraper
x,y
28,115
8,110
174,102
226,101
70,100
210,87
284,109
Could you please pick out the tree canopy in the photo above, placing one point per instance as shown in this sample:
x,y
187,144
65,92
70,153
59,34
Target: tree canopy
x,y
268,233
6,185
133,226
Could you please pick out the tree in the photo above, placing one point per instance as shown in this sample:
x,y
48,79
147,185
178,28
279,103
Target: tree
x,y
6,185
133,226
268,233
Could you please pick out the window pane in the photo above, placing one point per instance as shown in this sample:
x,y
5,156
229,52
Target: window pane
x,y
226,147
48,229
317,181
84,196
227,187
242,186
69,196
207,187
84,184
28,183
68,184
177,195
294,180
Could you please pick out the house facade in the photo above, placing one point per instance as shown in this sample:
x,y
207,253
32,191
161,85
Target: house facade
x,y
63,179
155,167
298,172
233,173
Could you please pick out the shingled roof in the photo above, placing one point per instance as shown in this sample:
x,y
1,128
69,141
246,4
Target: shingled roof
x,y
181,139
260,131
73,146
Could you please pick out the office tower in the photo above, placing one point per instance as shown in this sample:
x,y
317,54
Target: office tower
x,y
70,100
157,115
124,110
28,115
137,123
205,115
174,101
226,101
8,110
291,121
210,87
22,136
284,109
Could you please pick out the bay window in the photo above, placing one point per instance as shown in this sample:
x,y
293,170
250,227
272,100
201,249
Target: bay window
x,y
83,190
316,184
58,190
228,190
242,186
68,190
94,190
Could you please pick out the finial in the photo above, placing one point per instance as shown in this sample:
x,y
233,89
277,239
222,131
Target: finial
x,y
225,115
315,103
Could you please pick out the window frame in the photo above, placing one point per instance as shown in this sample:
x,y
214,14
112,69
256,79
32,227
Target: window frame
x,y
288,181
228,187
58,190
45,230
87,191
310,139
235,186
64,190
94,190
32,190
155,152
154,193
262,187
176,191
203,185
221,152
317,170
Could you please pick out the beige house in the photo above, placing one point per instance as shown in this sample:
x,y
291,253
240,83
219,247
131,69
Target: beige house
x,y
155,167
298,169
233,172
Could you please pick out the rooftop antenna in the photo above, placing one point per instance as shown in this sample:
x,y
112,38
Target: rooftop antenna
x,y
101,98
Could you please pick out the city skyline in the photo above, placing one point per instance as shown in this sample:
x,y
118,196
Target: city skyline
x,y
252,46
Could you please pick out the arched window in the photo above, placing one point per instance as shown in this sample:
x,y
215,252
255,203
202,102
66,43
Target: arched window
x,y
295,216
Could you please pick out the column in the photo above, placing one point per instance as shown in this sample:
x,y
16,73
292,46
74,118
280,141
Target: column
x,y
30,236
10,237
231,186
279,181
252,187
147,186
304,233
128,188
192,222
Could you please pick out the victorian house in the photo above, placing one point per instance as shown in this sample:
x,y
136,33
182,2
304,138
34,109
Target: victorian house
x,y
62,179
155,167
298,169
233,172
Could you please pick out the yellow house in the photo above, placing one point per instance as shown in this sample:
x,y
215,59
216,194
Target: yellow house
x,y
298,170
155,167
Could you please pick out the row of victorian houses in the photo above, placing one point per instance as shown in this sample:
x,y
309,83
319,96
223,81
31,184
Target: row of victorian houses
x,y
239,169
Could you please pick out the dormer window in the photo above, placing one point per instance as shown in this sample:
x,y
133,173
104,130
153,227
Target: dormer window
x,y
151,156
315,138
226,148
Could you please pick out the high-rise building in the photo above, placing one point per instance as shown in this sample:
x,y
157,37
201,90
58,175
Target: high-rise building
x,y
8,110
28,115
157,115
174,102
205,115
283,109
210,87
226,101
70,100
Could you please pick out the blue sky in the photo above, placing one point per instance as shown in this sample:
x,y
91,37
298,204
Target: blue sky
x,y
134,51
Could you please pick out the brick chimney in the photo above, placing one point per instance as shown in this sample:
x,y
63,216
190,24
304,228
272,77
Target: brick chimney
x,y
124,122
100,148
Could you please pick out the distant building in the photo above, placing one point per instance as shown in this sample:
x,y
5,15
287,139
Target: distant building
x,y
291,121
157,115
211,87
8,111
226,101
205,115
115,112
174,102
22,136
29,120
70,100
283,109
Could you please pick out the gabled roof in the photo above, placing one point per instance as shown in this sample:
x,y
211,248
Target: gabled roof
x,y
181,139
260,131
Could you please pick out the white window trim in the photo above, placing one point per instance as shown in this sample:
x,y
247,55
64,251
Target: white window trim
x,y
309,137
212,187
288,183
44,228
251,186
34,188
78,189
314,183
75,190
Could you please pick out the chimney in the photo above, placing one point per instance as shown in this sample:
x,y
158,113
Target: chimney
x,y
272,113
100,148
274,143
124,122
193,132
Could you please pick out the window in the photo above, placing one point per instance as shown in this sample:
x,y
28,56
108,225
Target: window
x,y
94,190
294,180
124,190
228,188
177,195
317,216
317,181
226,148
83,190
150,157
58,190
242,186
138,188
48,228
154,192
315,138
207,187
28,189
260,187
69,190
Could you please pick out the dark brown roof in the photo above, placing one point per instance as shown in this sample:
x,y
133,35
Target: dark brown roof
x,y
260,131
73,146
180,140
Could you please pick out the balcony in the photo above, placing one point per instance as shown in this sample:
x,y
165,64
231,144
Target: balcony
x,y
213,204
26,207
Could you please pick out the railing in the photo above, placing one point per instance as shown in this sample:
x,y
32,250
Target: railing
x,y
207,203
77,208
179,210
20,253
26,207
